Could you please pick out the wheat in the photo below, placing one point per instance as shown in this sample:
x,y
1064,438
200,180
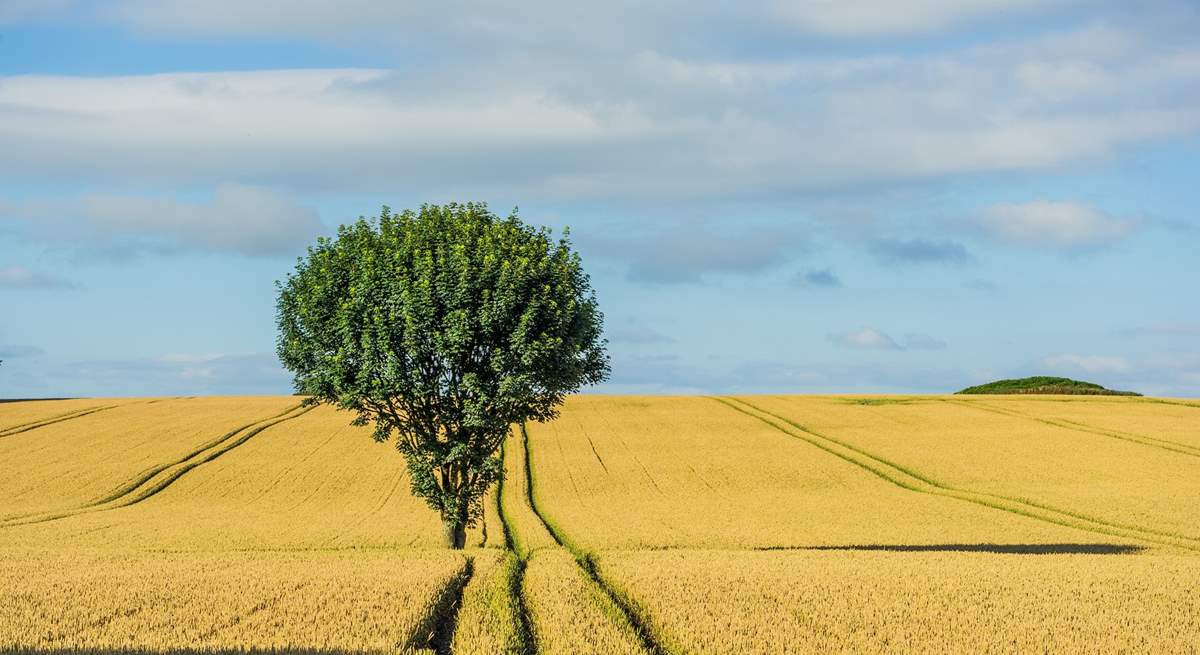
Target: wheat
x,y
376,602
570,615
74,462
957,443
312,482
930,602
895,524
629,473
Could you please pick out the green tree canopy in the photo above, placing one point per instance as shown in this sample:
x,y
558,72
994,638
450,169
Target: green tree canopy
x,y
443,327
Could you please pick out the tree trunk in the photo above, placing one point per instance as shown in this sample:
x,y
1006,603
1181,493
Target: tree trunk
x,y
454,529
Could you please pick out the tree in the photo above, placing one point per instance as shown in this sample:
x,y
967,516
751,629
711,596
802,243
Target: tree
x,y
443,327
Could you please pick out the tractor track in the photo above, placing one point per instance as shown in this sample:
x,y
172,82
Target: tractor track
x,y
911,480
158,478
587,564
1153,442
516,582
41,423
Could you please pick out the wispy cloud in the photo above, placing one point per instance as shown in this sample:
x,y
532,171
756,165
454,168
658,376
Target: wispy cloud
x,y
984,286
866,338
1054,224
1165,330
689,252
823,278
237,218
19,277
869,338
1087,364
873,18
917,341
586,21
177,374
918,251
639,335
16,352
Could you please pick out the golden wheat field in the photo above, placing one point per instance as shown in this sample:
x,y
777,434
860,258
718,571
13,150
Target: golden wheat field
x,y
765,524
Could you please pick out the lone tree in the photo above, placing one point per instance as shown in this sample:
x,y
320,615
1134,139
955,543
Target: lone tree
x,y
443,327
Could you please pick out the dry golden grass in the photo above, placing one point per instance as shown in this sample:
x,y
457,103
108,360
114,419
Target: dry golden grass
x,y
862,602
75,462
371,601
959,444
627,473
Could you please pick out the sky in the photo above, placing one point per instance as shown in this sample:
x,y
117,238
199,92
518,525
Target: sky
x,y
810,196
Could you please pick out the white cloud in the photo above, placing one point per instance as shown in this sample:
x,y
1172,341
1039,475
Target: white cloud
x,y
621,117
538,22
869,338
19,277
887,17
1087,364
1054,224
866,338
237,218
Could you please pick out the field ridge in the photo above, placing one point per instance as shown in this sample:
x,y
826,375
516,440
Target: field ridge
x,y
913,481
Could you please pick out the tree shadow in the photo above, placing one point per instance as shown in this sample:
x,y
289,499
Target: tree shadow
x,y
1003,549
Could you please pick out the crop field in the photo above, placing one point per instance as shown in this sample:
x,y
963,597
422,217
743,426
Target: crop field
x,y
765,524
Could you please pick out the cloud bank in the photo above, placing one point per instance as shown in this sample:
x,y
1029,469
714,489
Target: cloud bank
x,y
608,115
237,218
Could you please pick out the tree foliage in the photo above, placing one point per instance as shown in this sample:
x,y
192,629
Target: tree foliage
x,y
443,327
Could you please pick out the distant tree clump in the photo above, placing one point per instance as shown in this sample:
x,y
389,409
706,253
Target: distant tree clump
x,y
443,327
1045,385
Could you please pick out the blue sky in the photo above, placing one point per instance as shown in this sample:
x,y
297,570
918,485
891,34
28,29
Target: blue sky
x,y
770,196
